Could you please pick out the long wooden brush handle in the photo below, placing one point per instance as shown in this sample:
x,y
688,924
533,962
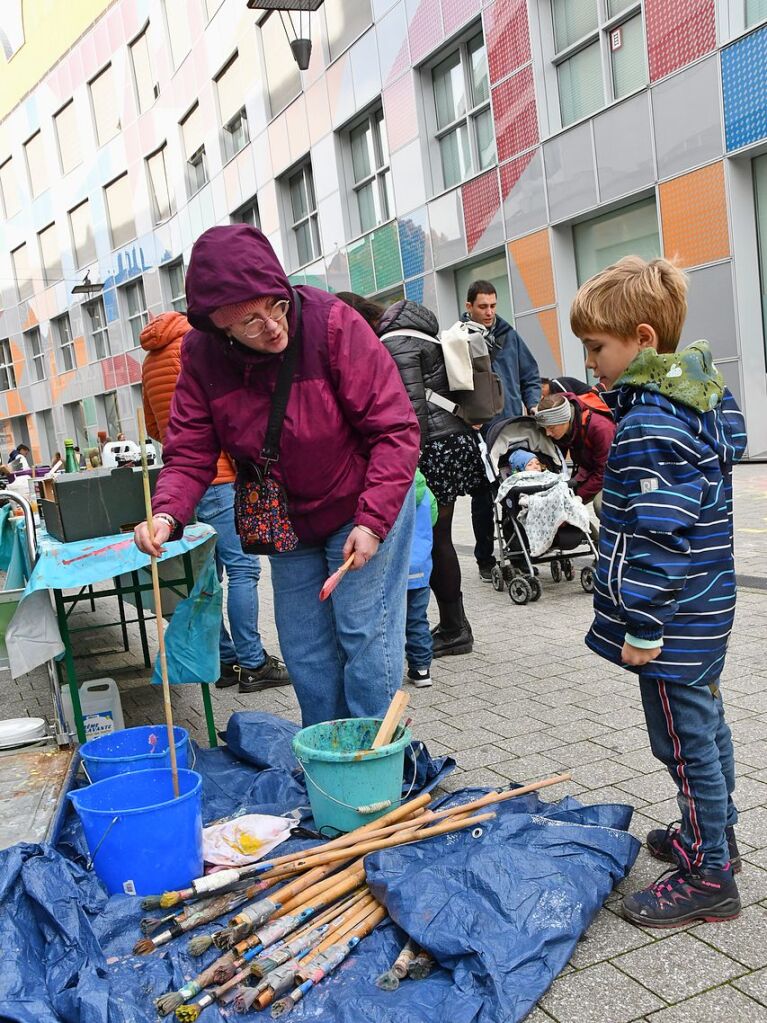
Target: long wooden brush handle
x,y
327,884
500,797
389,724
157,604
347,924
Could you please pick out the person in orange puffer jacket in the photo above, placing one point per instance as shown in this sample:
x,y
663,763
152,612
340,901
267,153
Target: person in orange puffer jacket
x,y
243,657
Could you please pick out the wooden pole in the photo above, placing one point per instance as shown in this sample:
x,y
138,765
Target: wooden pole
x,y
389,724
158,604
499,797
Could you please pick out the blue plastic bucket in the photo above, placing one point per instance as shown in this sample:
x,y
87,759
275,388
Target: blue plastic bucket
x,y
131,750
344,776
141,839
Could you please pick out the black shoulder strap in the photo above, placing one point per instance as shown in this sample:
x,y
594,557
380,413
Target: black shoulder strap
x,y
270,452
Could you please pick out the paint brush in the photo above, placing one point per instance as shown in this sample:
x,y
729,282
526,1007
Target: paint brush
x,y
333,580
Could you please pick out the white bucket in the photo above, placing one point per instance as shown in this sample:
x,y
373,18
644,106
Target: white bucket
x,y
101,707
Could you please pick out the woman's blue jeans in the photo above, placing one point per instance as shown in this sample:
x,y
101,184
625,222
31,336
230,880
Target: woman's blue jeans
x,y
244,646
345,655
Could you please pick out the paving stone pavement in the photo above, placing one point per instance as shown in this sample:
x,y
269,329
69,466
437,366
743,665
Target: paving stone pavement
x,y
531,700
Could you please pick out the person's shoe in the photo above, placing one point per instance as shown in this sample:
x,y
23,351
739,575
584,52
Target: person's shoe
x,y
680,897
453,635
228,676
660,844
486,573
272,673
420,677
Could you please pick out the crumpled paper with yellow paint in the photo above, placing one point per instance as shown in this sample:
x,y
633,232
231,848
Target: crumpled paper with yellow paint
x,y
244,839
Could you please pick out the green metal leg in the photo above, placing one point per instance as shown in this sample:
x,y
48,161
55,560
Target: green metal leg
x,y
69,662
121,606
212,738
141,621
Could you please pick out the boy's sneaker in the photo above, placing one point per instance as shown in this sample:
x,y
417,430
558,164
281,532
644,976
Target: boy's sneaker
x,y
420,677
660,844
228,676
680,897
271,673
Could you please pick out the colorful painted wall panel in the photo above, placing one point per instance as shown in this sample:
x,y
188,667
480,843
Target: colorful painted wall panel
x,y
541,335
399,105
744,85
678,32
515,114
415,243
424,27
456,13
694,217
481,207
507,37
532,275
524,198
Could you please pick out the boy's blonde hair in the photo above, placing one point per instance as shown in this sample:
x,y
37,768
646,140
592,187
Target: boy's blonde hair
x,y
630,292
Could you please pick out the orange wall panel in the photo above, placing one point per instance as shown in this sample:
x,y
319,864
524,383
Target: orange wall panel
x,y
694,217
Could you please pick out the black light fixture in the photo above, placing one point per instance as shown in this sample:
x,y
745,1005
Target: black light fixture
x,y
300,42
87,286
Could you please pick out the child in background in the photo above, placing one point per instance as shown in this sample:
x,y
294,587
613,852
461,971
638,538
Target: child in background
x,y
664,597
418,639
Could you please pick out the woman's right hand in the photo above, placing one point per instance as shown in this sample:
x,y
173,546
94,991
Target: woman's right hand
x,y
161,534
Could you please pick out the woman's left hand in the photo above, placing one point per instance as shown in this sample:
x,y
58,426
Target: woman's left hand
x,y
363,545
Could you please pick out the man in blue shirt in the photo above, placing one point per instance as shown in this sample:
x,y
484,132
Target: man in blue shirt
x,y
515,364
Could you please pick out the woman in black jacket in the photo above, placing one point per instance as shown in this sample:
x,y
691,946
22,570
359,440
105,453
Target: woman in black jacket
x,y
450,458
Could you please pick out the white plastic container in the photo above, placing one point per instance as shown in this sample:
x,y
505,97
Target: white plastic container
x,y
101,707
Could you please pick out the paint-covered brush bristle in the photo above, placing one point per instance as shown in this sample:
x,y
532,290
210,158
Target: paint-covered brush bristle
x,y
168,899
143,947
224,973
166,1004
200,944
388,981
151,902
239,933
222,939
188,1013
246,996
281,1007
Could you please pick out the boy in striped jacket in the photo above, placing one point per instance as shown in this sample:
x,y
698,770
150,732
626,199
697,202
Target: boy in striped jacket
x,y
664,597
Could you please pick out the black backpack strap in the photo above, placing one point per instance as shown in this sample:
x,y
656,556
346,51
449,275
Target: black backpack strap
x,y
270,452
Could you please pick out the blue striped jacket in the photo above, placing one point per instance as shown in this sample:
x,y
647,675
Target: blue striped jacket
x,y
666,566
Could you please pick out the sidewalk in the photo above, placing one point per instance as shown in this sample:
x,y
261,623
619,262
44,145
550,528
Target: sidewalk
x,y
532,700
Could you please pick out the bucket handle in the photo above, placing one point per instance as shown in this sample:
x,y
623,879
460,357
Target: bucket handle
x,y
384,804
100,842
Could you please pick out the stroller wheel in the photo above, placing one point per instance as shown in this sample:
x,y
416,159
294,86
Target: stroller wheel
x,y
534,583
520,590
587,579
496,578
556,571
567,568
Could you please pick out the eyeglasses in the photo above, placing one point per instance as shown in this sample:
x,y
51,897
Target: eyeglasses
x,y
256,325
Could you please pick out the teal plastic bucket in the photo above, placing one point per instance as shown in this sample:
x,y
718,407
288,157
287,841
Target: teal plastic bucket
x,y
141,839
345,779
133,749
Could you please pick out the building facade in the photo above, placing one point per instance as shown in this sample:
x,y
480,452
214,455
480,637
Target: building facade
x,y
430,142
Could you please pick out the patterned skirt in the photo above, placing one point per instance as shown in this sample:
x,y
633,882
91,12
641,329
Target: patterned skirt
x,y
453,466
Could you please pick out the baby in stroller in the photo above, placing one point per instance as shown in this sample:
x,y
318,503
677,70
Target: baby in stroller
x,y
538,517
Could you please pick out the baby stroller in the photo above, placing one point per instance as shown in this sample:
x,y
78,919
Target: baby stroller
x,y
517,568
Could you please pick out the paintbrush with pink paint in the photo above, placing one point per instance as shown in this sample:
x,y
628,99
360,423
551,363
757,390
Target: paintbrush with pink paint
x,y
333,580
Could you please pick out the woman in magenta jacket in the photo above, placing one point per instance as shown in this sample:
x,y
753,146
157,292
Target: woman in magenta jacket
x,y
348,454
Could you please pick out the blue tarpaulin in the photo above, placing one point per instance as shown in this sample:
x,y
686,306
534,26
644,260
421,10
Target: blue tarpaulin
x,y
501,910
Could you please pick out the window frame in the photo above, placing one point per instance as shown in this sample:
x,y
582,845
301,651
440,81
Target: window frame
x,y
227,130
142,314
374,118
155,85
238,216
134,235
304,170
33,338
346,43
48,279
108,68
65,170
47,184
157,217
7,369
176,300
8,215
65,345
195,159
26,295
97,335
75,252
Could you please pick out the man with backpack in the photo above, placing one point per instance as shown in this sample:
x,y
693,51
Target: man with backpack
x,y
582,426
515,364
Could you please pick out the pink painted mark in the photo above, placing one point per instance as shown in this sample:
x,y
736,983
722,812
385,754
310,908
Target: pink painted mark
x,y
121,546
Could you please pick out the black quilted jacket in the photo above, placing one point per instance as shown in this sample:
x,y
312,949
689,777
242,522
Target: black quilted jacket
x,y
421,366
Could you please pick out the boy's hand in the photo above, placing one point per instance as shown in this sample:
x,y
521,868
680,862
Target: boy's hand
x,y
637,656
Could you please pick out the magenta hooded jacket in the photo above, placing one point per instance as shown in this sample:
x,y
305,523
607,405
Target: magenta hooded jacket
x,y
350,441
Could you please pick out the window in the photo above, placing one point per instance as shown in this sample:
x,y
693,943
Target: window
x,y
194,148
7,372
756,10
283,79
120,211
370,169
493,269
147,90
9,190
345,20
177,18
97,322
230,87
82,234
464,119
112,413
70,147
174,276
135,303
35,353
36,164
632,230
599,53
46,418
247,214
104,101
760,187
66,344
79,426
50,254
303,206
21,271
162,203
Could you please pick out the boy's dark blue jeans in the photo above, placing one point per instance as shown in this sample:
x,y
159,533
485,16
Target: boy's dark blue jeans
x,y
688,733
418,641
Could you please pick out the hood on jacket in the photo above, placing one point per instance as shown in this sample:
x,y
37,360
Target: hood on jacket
x,y
232,264
407,315
688,377
163,329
